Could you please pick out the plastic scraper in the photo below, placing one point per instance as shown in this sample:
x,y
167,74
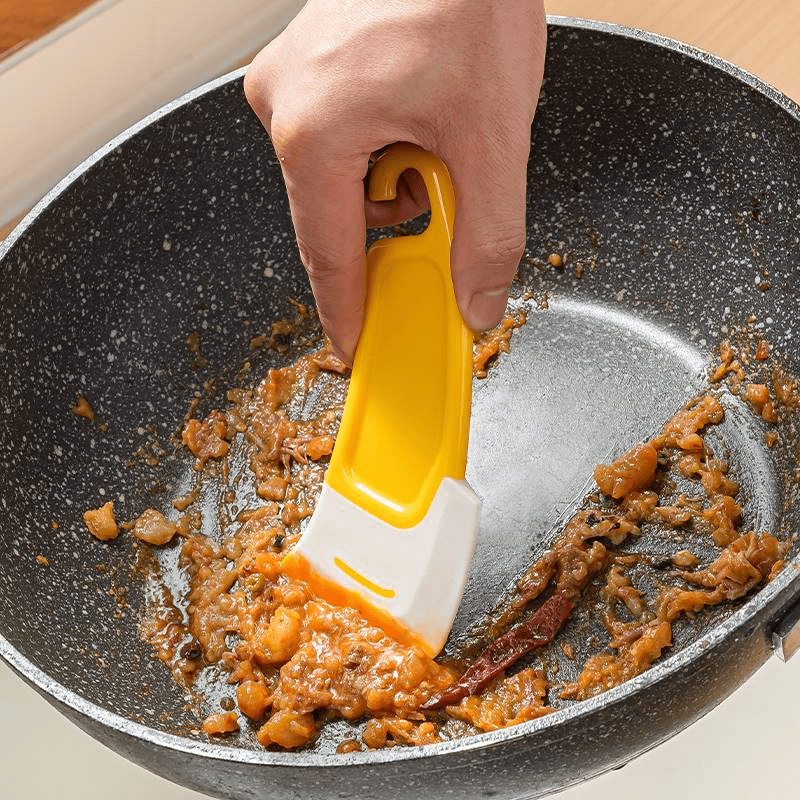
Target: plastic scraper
x,y
395,526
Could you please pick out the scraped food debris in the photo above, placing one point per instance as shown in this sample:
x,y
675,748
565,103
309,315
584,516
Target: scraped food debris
x,y
391,731
685,559
498,340
206,439
154,528
741,566
221,723
297,662
101,522
633,471
82,408
198,360
580,552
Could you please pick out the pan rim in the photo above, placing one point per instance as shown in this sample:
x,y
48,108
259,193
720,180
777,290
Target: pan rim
x,y
781,585
35,676
683,48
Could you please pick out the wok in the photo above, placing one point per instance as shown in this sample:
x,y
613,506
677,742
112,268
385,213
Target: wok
x,y
667,174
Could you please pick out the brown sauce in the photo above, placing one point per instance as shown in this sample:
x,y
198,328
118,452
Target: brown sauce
x,y
297,662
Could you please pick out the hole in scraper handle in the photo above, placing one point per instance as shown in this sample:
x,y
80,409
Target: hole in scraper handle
x,y
786,634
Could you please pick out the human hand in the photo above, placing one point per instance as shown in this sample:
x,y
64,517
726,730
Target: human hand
x,y
459,78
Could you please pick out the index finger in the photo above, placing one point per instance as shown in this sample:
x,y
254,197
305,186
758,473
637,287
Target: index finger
x,y
326,198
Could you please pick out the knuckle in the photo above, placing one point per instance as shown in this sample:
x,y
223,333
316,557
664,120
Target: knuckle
x,y
257,85
323,264
502,253
257,100
295,134
251,86
510,250
320,263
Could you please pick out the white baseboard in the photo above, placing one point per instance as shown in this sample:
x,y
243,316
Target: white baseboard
x,y
66,95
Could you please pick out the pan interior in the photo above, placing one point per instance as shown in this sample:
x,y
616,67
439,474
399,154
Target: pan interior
x,y
583,384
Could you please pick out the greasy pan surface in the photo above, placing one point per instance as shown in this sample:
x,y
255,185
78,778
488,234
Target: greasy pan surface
x,y
669,176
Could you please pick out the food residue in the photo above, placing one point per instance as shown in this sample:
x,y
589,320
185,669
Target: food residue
x,y
101,522
82,408
297,662
198,360
222,723
154,528
498,340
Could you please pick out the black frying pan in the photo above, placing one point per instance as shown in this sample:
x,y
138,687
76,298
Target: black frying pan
x,y
669,176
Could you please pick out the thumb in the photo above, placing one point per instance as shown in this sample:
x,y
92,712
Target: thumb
x,y
328,213
489,180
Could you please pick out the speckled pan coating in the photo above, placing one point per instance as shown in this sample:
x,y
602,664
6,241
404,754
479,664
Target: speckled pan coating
x,y
669,176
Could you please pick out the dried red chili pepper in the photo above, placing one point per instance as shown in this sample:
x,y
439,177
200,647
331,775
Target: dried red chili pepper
x,y
537,631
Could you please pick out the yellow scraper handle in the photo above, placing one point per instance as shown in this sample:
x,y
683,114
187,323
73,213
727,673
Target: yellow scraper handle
x,y
406,419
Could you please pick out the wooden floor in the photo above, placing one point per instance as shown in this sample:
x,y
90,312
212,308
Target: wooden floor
x,y
23,21
7,228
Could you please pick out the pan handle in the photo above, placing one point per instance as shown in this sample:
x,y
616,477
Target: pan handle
x,y
786,634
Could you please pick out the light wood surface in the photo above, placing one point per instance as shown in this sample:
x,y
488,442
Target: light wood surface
x,y
763,36
9,226
23,21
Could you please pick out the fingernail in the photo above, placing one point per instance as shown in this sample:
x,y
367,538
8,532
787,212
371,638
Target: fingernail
x,y
341,353
342,345
486,309
340,349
